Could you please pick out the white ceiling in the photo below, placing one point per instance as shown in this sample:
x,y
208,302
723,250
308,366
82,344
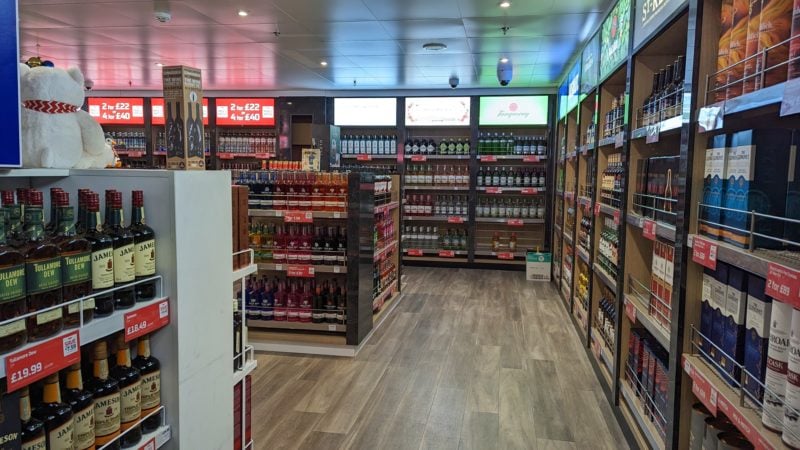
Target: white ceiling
x,y
378,43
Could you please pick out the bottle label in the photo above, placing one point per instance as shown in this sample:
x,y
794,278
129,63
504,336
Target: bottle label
x,y
146,258
124,264
36,444
12,328
76,268
84,428
12,283
43,275
131,408
60,438
49,316
103,269
106,415
151,390
88,305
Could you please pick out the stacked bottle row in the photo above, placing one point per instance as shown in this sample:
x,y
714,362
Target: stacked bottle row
x,y
647,374
47,265
447,146
607,316
291,300
246,142
511,177
582,289
437,175
499,208
508,144
666,99
119,393
591,133
128,140
439,205
608,248
611,182
295,190
369,145
298,244
161,142
585,233
504,242
615,117
430,238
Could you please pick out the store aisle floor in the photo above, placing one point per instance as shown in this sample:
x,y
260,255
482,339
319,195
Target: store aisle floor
x,y
469,360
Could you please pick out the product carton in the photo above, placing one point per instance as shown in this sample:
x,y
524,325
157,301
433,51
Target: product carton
x,y
707,312
735,311
713,187
776,27
738,48
759,308
752,65
719,298
725,28
183,111
794,44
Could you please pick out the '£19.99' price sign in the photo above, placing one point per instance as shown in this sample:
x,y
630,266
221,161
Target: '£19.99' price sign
x,y
146,320
32,364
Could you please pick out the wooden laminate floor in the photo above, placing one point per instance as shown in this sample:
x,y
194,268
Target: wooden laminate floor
x,y
469,360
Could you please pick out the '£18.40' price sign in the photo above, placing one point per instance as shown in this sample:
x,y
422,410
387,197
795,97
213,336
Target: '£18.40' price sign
x,y
32,364
146,320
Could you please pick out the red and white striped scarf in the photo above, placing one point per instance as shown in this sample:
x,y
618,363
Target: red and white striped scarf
x,y
49,106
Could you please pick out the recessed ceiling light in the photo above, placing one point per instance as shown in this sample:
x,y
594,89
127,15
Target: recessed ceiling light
x,y
323,63
160,64
505,4
434,46
243,13
504,60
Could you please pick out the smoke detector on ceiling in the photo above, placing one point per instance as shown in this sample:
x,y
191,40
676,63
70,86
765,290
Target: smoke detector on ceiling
x,y
434,46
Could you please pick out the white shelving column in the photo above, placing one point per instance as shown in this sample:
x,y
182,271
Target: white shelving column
x,y
249,362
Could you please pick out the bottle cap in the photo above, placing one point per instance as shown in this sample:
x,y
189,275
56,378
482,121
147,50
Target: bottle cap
x,y
92,200
60,198
8,198
22,196
101,350
34,198
51,379
137,198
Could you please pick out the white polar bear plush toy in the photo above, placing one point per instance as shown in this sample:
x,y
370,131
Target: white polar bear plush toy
x,y
56,133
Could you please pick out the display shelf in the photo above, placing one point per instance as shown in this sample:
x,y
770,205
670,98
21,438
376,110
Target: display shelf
x,y
517,254
387,207
282,213
636,411
603,355
388,306
568,238
368,157
510,222
300,326
523,158
435,188
582,254
755,100
557,227
663,230
503,190
284,267
608,210
584,201
644,319
34,173
226,155
418,252
160,436
250,269
450,219
756,262
607,279
423,158
667,127
385,250
381,298
605,142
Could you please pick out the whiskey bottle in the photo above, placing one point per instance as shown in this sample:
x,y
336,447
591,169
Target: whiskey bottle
x,y
106,398
80,223
50,229
76,262
82,403
12,295
150,369
145,242
56,416
130,384
32,433
42,272
124,251
102,257
12,213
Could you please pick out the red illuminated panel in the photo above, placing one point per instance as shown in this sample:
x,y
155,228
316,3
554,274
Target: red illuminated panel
x,y
117,111
158,111
246,111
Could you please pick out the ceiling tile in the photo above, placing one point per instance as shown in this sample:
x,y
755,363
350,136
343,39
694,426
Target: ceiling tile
x,y
366,48
484,8
414,9
526,26
118,13
453,46
324,11
350,31
425,29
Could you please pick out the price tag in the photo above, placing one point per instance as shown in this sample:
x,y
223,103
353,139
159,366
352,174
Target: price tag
x,y
415,252
616,217
701,388
791,105
709,117
337,215
331,327
298,217
149,445
739,421
649,229
447,254
515,222
299,271
531,159
146,320
455,219
704,253
653,133
363,157
225,155
262,155
419,158
630,311
530,191
618,140
246,111
783,284
29,365
336,269
488,158
494,190
505,256
279,267
596,209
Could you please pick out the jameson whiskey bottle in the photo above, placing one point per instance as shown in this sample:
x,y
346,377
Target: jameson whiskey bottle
x,y
57,416
12,295
82,404
76,263
124,251
150,368
42,272
12,212
106,398
32,433
144,240
130,385
102,257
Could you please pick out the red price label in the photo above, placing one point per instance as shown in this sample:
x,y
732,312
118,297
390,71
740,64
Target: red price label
x,y
515,222
157,107
299,271
704,253
531,159
455,219
701,388
124,111
262,155
739,421
415,252
616,217
364,157
630,311
225,155
419,158
149,445
596,209
146,320
246,111
29,365
298,217
530,191
447,254
505,256
494,190
783,284
649,229
488,158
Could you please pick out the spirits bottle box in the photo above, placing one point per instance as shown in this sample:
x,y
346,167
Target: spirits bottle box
x,y
713,187
725,28
752,65
759,308
707,312
757,180
774,32
735,312
183,110
719,290
737,48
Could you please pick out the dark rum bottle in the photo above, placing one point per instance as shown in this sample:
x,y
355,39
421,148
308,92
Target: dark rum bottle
x,y
124,252
12,295
102,257
130,383
32,435
82,403
56,416
42,272
76,263
144,240
150,369
106,398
